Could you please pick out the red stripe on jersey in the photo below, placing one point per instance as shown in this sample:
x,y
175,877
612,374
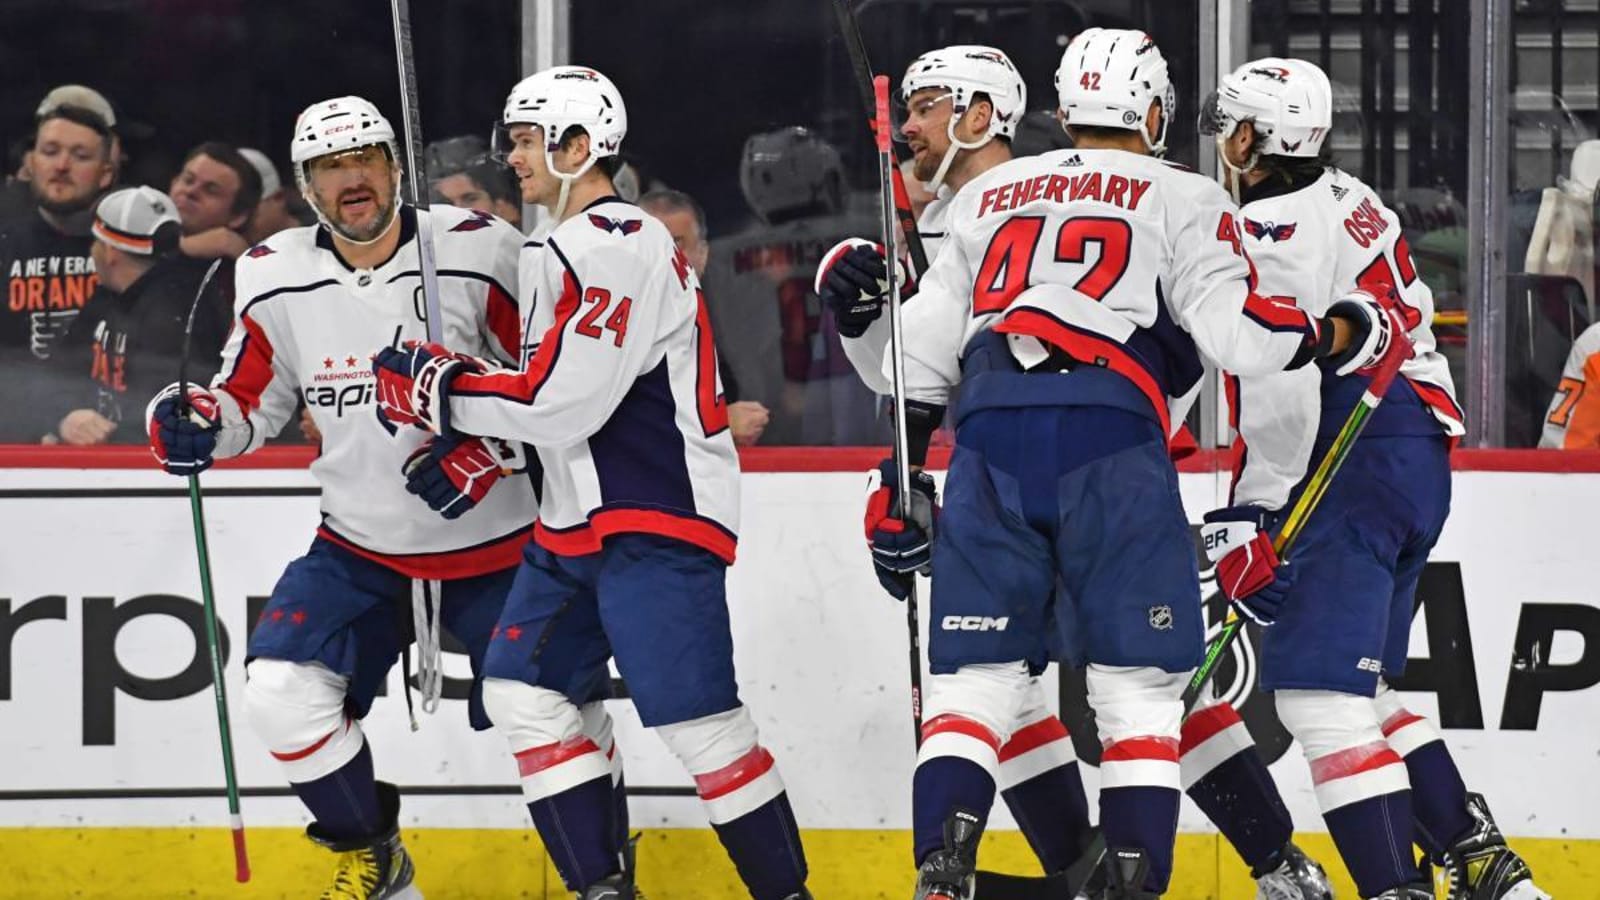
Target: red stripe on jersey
x,y
1032,737
1353,761
1203,725
584,539
950,723
252,371
1398,721
1090,348
1161,749
1278,314
524,386
1439,399
1241,450
302,754
491,556
734,775
546,756
505,323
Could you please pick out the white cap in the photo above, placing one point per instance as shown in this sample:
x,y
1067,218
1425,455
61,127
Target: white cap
x,y
270,182
139,220
81,97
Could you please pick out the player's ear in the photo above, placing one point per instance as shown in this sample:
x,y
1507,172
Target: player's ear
x,y
1152,119
978,117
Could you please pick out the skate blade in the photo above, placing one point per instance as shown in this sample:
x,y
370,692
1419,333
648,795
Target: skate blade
x,y
1525,890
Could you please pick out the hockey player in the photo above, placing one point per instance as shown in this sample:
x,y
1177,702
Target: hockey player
x,y
1073,295
783,346
641,495
1573,422
1315,234
312,303
962,105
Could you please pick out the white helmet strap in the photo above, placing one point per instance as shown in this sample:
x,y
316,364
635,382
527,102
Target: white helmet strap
x,y
1232,175
956,146
567,178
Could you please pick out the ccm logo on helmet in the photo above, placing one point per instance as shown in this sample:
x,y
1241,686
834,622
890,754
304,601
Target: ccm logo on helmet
x,y
349,126
974,623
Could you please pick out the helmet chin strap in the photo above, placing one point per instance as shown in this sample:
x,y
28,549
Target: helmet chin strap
x,y
956,146
567,180
1232,175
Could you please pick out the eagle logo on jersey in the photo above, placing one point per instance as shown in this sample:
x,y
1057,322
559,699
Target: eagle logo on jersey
x,y
621,226
259,251
1269,231
479,220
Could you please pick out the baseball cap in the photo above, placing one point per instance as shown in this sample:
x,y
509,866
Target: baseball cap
x,y
270,182
139,220
81,97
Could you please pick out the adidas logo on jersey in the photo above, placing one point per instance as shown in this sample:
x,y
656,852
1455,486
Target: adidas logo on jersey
x,y
974,623
1338,192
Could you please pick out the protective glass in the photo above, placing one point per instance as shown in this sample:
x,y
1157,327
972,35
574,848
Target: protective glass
x,y
1212,120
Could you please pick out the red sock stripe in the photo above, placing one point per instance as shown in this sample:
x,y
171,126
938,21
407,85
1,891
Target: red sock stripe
x,y
1353,761
536,759
302,754
1398,721
1204,724
1032,737
951,723
1162,749
734,775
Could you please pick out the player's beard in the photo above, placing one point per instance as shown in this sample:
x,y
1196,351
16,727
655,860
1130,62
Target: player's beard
x,y
926,164
379,223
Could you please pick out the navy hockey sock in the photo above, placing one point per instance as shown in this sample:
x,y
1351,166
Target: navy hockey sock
x,y
942,784
579,830
764,845
1053,813
1438,797
344,802
1240,798
1374,839
1143,817
619,802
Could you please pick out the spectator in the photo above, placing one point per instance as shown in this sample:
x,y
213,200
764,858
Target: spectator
x,y
45,260
216,193
1573,422
460,173
127,342
279,208
16,200
686,221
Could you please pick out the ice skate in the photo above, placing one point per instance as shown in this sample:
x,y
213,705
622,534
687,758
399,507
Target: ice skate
x,y
948,874
1479,866
372,868
1295,877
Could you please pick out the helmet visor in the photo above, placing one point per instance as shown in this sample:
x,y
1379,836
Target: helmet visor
x,y
922,105
1212,120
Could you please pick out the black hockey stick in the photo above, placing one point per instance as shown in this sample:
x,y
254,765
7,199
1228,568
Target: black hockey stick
x,y
219,689
1060,885
416,178
863,74
902,460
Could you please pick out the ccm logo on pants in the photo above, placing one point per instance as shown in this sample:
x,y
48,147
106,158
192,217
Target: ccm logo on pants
x,y
974,623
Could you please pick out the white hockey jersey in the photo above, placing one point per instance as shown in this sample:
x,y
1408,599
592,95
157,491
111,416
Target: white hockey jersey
x,y
1151,250
306,328
1310,247
1573,422
618,389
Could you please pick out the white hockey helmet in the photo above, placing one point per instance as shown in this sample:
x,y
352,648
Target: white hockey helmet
x,y
1109,77
790,169
337,125
562,97
1288,101
966,70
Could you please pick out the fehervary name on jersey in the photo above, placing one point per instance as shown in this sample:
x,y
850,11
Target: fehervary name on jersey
x,y
1117,190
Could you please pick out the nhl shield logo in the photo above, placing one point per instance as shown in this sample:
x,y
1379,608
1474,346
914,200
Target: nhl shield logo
x,y
1161,618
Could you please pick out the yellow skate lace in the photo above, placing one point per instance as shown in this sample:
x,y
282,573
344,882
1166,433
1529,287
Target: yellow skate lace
x,y
355,878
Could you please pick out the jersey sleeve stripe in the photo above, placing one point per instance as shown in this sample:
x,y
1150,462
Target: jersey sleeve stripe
x,y
1277,314
523,387
503,318
252,369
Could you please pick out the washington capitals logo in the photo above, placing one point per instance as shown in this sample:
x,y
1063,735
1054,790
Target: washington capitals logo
x,y
479,220
1288,147
621,226
259,251
1276,73
1269,231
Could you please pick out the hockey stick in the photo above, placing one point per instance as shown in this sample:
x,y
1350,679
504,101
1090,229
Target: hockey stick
x,y
902,455
879,111
219,689
411,120
1068,884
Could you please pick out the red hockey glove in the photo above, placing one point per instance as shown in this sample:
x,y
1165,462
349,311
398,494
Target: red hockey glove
x,y
1248,570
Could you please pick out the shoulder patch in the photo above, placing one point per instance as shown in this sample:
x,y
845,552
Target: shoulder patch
x,y
259,251
479,219
621,226
1269,231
